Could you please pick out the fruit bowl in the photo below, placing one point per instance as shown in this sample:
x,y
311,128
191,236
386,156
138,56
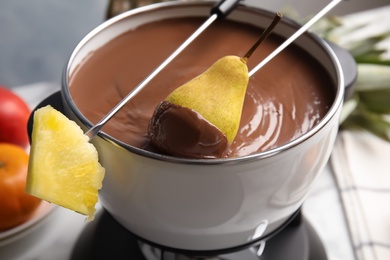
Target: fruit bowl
x,y
39,216
207,204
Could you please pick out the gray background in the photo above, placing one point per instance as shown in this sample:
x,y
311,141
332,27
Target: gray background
x,y
37,36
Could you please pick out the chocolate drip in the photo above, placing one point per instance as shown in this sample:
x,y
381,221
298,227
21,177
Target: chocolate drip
x,y
180,131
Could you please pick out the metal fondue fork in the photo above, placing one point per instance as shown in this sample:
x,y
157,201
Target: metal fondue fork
x,y
222,8
293,37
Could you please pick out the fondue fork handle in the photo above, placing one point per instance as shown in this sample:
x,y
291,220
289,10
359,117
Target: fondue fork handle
x,y
220,9
293,37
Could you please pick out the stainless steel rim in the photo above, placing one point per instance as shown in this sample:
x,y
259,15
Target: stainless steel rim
x,y
272,152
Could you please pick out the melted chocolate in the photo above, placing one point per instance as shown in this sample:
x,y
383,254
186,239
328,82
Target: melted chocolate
x,y
183,132
284,99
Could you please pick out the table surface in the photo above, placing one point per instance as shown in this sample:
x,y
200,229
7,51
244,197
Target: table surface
x,y
37,38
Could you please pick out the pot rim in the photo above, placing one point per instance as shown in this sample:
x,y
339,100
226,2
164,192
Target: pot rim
x,y
337,103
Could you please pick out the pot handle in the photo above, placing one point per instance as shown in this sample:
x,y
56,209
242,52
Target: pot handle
x,y
349,67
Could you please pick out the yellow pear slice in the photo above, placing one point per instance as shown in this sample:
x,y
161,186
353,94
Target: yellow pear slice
x,y
63,166
217,94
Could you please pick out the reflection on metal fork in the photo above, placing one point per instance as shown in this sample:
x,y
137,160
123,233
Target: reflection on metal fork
x,y
293,37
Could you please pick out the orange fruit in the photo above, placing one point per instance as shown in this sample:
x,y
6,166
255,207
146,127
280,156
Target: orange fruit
x,y
16,206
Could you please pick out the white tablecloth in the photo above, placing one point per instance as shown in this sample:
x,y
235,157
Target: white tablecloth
x,y
361,163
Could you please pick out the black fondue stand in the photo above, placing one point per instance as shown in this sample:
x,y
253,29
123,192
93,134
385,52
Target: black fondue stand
x,y
105,238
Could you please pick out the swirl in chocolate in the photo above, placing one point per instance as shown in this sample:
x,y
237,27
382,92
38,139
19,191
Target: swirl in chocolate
x,y
183,132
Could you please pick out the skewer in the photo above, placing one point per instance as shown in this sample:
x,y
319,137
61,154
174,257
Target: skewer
x,y
293,37
221,9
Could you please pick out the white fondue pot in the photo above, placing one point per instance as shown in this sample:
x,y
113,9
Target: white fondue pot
x,y
194,204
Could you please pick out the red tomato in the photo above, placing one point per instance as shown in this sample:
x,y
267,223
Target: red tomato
x,y
14,114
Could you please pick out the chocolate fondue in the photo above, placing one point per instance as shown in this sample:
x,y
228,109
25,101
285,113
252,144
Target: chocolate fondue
x,y
285,99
